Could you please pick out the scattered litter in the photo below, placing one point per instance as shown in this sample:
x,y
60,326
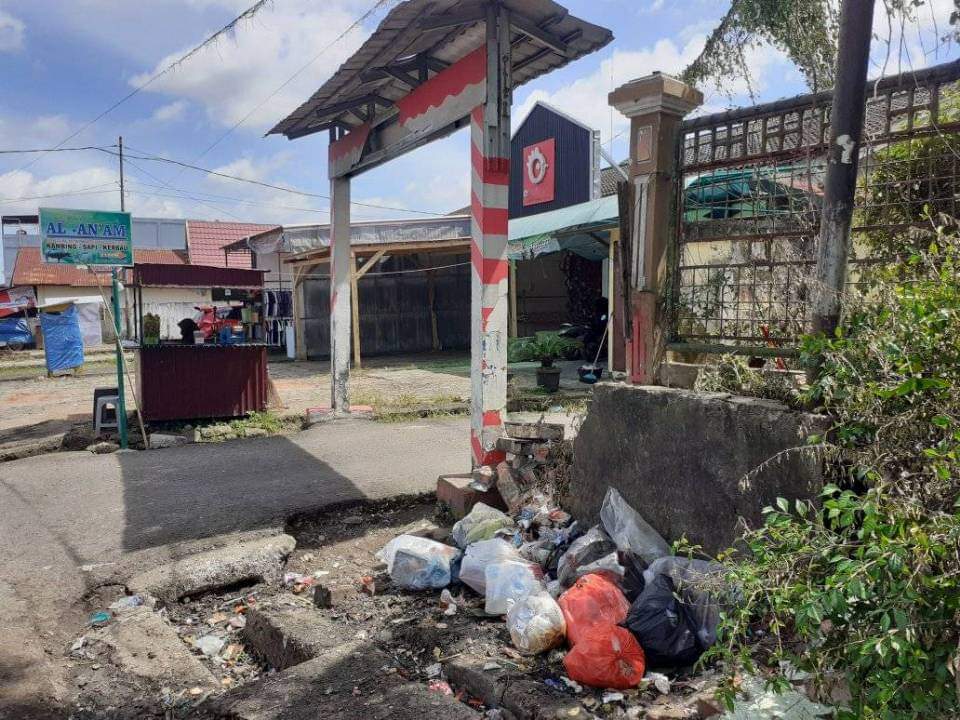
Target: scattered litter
x,y
660,681
484,478
232,652
606,657
571,684
481,554
586,549
440,686
536,623
99,619
78,643
448,604
611,697
434,670
210,645
416,563
630,532
675,617
238,622
368,585
508,582
297,582
482,523
487,667
593,602
761,703
128,602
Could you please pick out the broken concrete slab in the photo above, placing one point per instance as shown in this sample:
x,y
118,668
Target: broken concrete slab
x,y
144,645
680,458
455,492
259,560
288,636
514,692
163,440
348,681
540,431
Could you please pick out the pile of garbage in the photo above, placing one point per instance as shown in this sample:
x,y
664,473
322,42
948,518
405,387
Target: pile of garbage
x,y
613,592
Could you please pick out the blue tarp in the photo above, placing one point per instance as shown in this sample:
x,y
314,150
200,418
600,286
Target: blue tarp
x,y
62,340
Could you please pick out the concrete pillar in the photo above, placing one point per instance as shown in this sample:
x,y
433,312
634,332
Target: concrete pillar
x,y
489,309
340,269
656,105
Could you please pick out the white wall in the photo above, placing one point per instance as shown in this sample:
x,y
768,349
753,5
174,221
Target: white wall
x,y
172,305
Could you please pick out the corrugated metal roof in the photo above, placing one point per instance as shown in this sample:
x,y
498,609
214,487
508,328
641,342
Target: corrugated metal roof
x,y
401,36
30,269
202,276
206,241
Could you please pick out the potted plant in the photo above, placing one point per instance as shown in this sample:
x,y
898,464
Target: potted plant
x,y
151,329
547,349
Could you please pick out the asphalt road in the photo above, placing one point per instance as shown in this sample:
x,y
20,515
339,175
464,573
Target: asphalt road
x,y
67,518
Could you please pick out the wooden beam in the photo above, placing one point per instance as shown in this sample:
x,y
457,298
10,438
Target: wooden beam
x,y
355,311
359,101
370,263
513,298
539,35
468,17
519,65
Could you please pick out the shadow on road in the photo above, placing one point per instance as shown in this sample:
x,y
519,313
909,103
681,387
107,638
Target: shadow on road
x,y
202,490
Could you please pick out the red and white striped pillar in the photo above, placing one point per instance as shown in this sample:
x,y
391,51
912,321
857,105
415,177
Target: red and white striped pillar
x,y
490,183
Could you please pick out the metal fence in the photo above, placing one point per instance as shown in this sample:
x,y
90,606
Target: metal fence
x,y
750,193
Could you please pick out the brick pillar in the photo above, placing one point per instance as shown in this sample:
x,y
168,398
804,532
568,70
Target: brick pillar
x,y
655,105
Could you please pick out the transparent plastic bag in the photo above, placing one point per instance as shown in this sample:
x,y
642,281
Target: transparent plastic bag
x,y
630,532
481,524
588,548
508,582
481,554
608,565
417,563
536,623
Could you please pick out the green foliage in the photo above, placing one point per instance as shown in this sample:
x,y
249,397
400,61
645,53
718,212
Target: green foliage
x,y
863,590
267,421
806,30
732,374
543,348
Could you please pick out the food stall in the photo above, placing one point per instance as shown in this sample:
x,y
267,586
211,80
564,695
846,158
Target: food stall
x,y
218,371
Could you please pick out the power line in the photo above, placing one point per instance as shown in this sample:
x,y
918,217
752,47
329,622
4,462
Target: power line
x,y
81,191
227,176
325,211
55,149
215,208
353,26
245,15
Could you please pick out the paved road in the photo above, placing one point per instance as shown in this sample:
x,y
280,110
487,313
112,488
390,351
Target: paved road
x,y
64,518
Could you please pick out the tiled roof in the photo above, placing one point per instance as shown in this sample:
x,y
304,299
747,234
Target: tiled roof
x,y
206,241
609,177
30,270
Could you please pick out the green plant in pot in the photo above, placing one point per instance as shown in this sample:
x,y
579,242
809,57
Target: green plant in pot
x,y
151,329
546,350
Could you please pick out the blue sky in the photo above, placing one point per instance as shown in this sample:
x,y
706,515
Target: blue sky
x,y
63,62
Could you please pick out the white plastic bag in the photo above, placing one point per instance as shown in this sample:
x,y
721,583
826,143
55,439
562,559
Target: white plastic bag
x,y
481,524
417,563
629,530
478,556
588,548
508,582
536,623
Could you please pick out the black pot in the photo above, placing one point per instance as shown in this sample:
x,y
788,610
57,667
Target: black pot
x,y
548,378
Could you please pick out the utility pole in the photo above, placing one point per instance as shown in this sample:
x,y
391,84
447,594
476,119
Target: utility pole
x,y
846,131
121,390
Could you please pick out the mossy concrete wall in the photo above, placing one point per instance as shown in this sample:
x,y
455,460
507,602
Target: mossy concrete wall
x,y
681,459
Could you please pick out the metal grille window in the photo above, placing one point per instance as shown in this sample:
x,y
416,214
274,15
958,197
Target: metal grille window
x,y
751,192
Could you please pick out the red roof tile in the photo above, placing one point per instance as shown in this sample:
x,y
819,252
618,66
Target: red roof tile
x,y
206,241
30,270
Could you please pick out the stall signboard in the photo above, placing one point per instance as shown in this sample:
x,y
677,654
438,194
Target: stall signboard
x,y
539,172
86,237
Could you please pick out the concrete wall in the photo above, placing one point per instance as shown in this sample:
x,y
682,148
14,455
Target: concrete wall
x,y
679,458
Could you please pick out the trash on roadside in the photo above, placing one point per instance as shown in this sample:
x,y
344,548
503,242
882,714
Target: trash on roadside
x,y
78,644
482,523
588,548
536,623
607,656
481,554
448,603
99,619
238,622
608,566
660,681
368,585
593,601
484,478
416,563
210,645
572,685
440,686
611,697
675,617
508,582
297,582
434,670
509,487
630,532
127,602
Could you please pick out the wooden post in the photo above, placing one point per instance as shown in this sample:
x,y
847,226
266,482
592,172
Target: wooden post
x,y
300,339
340,296
513,298
431,300
355,309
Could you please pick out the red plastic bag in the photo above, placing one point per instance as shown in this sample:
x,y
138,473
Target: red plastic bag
x,y
608,657
592,601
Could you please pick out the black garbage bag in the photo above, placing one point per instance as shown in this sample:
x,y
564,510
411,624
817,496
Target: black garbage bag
x,y
675,616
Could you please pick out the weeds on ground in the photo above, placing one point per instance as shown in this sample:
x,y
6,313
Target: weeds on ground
x,y
732,374
267,421
864,590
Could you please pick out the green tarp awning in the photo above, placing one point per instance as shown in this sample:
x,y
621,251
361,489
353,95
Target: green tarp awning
x,y
568,228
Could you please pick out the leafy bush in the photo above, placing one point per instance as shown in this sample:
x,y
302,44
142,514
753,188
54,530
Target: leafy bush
x,y
866,588
543,348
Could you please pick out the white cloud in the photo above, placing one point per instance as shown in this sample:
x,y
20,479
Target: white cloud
x,y
11,32
233,76
171,112
252,169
